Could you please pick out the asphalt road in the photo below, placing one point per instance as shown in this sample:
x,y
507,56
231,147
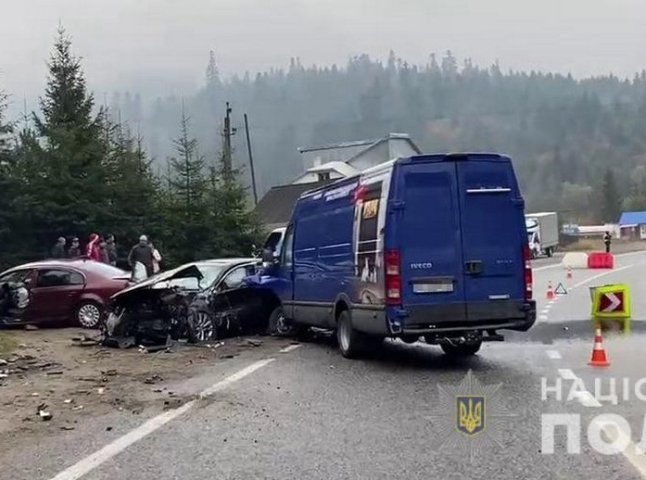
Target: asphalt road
x,y
307,413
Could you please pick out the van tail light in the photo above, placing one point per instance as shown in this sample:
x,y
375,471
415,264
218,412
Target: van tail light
x,y
393,277
529,276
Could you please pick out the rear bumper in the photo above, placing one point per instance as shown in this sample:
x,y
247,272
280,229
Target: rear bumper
x,y
446,318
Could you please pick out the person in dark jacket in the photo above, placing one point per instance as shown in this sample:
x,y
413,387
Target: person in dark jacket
x,y
103,252
143,254
75,249
59,249
607,240
111,248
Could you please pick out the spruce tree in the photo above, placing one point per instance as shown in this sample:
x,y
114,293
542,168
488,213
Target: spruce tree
x,y
68,192
9,185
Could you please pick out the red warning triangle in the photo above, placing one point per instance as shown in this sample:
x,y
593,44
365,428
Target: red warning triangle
x,y
560,290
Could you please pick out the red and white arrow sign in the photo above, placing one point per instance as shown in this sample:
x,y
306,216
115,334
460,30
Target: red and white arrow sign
x,y
611,302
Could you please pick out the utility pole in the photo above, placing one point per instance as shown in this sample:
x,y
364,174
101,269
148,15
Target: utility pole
x,y
253,174
228,133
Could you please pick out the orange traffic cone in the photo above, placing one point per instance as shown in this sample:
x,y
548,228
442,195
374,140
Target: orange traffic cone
x,y
569,273
550,291
599,358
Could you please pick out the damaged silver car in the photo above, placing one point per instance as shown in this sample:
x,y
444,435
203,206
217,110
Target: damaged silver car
x,y
200,301
14,299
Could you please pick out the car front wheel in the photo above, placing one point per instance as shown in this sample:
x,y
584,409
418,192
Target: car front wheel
x,y
89,314
279,324
201,326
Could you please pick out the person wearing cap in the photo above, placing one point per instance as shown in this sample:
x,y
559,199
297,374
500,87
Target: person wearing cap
x,y
143,254
75,249
59,248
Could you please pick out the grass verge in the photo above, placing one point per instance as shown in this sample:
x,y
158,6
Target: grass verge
x,y
7,343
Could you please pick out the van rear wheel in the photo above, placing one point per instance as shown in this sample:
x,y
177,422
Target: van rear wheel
x,y
462,350
350,341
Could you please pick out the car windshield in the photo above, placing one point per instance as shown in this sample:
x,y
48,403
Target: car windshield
x,y
210,274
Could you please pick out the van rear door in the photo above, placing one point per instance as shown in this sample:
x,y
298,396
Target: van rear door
x,y
426,210
493,237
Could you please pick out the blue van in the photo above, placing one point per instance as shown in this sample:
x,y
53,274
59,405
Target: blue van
x,y
430,246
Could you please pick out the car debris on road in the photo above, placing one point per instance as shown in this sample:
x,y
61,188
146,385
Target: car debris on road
x,y
43,413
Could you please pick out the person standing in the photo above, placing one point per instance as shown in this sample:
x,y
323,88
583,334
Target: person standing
x,y
141,253
92,248
157,258
59,248
111,248
607,240
103,252
75,249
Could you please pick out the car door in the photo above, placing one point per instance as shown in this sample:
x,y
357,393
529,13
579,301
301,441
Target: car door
x,y
231,296
285,289
429,241
234,278
56,294
493,238
8,311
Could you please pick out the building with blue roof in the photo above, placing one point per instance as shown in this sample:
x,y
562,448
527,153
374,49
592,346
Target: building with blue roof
x,y
633,225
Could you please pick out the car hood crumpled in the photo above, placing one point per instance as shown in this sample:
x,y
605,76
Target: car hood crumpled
x,y
186,271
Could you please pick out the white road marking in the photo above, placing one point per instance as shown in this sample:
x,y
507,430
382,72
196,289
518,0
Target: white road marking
x,y
222,384
586,399
553,355
545,311
567,374
91,462
289,348
542,317
631,452
603,274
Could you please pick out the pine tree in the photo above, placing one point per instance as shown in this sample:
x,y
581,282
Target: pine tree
x,y
65,168
234,225
212,73
185,215
133,196
9,185
188,181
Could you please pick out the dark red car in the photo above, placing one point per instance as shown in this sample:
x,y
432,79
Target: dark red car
x,y
74,291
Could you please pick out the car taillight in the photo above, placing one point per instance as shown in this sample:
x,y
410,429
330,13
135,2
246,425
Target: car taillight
x,y
529,277
393,277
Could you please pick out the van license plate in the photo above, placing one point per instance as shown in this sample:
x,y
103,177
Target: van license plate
x,y
433,287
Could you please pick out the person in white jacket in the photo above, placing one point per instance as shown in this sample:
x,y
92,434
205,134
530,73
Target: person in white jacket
x,y
157,258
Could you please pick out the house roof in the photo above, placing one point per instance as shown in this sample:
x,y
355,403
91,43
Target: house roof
x,y
367,143
275,208
632,218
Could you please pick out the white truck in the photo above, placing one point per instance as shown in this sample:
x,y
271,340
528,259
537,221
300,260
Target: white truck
x,y
542,233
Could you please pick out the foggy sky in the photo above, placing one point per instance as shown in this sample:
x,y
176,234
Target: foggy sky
x,y
161,46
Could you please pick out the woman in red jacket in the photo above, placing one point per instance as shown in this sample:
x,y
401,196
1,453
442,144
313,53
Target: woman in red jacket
x,y
92,249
